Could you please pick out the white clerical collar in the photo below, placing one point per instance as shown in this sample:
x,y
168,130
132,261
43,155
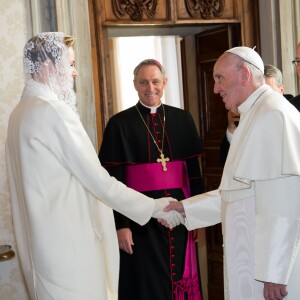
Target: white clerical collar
x,y
246,105
153,109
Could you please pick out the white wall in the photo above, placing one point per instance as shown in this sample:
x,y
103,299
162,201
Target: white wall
x,y
14,32
128,52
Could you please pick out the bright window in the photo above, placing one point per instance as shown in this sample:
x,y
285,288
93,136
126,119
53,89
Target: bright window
x,y
128,52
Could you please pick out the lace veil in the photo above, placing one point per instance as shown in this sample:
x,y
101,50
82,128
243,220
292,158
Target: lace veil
x,y
46,62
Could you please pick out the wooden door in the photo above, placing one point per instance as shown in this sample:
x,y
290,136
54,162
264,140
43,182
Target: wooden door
x,y
169,13
213,122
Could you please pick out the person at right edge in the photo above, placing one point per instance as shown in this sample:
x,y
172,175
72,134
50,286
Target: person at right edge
x,y
257,201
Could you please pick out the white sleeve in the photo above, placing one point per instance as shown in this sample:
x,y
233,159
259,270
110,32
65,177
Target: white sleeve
x,y
72,146
277,233
202,210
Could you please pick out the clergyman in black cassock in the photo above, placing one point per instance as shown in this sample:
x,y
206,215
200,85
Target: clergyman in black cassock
x,y
155,268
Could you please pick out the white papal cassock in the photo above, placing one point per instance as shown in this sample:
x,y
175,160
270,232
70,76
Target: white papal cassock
x,y
258,201
66,238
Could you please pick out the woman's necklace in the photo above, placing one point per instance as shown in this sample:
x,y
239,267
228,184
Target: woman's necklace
x,y
163,160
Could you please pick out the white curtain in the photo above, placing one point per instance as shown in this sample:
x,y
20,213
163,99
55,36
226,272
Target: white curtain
x,y
128,52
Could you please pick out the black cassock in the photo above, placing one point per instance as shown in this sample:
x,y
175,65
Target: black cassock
x,y
158,255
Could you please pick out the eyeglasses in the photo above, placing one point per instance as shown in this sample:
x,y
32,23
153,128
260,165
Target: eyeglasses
x,y
296,62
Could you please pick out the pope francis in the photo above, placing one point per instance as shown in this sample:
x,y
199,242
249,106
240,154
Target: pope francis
x,y
258,198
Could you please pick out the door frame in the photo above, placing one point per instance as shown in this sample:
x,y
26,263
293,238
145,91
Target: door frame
x,y
247,16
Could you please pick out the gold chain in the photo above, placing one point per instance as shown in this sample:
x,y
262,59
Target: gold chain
x,y
163,137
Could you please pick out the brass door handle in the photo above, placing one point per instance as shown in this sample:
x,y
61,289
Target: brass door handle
x,y
6,252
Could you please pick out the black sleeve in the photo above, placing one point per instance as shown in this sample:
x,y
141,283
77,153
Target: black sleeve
x,y
296,102
195,176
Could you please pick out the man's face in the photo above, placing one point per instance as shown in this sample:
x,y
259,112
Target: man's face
x,y
227,83
150,84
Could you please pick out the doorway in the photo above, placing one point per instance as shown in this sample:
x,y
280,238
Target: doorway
x,y
128,52
166,44
185,58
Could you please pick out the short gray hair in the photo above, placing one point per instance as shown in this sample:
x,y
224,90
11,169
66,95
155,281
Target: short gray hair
x,y
273,72
148,62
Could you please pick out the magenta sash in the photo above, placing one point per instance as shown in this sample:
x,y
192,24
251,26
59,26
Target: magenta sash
x,y
151,177
189,285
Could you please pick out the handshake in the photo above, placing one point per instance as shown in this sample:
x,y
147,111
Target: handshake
x,y
169,212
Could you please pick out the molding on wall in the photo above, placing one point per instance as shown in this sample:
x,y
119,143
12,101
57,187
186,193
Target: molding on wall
x,y
296,22
288,45
35,16
280,33
73,19
43,15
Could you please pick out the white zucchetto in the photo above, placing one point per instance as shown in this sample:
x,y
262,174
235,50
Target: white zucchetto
x,y
249,55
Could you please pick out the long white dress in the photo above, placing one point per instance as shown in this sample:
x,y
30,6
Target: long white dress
x,y
258,200
61,199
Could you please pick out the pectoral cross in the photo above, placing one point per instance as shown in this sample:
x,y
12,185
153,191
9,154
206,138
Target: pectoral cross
x,y
163,161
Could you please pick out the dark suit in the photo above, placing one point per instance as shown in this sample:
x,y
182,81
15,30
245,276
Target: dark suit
x,y
296,102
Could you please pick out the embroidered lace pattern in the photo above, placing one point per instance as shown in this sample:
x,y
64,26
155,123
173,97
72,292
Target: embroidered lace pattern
x,y
46,61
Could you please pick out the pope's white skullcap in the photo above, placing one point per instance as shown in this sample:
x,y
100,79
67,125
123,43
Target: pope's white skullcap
x,y
249,55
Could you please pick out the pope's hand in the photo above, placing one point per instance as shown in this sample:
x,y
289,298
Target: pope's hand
x,y
169,219
177,206
274,291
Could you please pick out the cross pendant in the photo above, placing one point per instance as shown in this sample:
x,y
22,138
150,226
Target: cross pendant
x,y
163,161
